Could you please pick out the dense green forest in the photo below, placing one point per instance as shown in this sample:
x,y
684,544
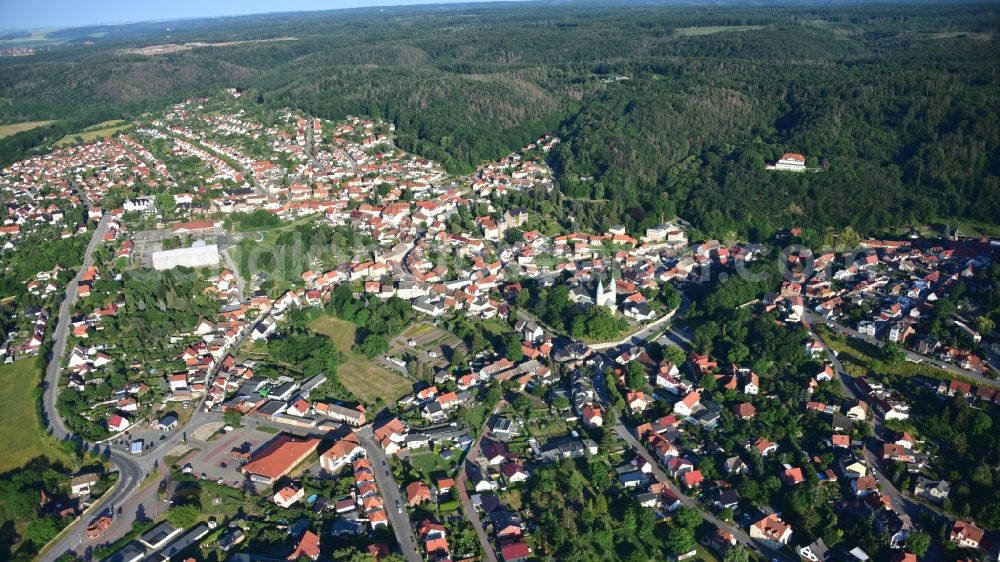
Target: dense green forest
x,y
896,104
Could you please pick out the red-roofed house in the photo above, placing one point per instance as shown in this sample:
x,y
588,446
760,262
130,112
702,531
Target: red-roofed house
x,y
308,546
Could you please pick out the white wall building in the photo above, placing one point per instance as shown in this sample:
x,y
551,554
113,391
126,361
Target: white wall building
x,y
198,255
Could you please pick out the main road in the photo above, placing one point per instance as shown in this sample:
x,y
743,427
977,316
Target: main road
x,y
910,355
907,509
394,506
132,470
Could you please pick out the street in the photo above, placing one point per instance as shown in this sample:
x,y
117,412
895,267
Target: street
x,y
398,519
132,470
910,355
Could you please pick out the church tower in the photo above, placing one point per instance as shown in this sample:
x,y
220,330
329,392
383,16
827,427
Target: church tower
x,y
609,298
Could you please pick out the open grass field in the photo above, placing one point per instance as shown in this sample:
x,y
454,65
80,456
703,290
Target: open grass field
x,y
14,128
19,420
101,130
709,30
357,373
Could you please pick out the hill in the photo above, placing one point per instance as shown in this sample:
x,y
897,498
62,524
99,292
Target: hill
x,y
665,109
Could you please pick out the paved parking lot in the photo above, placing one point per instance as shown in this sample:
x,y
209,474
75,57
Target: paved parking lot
x,y
211,457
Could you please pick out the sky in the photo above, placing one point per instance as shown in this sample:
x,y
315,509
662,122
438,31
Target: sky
x,y
32,14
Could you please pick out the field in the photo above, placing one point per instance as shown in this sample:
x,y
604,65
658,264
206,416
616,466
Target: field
x,y
101,130
357,373
19,420
709,30
14,128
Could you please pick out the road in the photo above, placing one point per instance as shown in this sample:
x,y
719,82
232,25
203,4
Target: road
x,y
906,508
398,519
463,495
132,470
601,389
812,317
248,174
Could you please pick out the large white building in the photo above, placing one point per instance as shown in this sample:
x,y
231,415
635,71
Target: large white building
x,y
198,255
791,162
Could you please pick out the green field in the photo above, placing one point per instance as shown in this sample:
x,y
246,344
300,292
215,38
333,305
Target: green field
x,y
357,373
19,419
711,29
103,129
14,128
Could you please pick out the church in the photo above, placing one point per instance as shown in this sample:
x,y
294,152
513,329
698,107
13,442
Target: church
x,y
607,298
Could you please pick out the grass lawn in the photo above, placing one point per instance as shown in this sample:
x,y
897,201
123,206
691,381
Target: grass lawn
x,y
544,429
495,327
20,421
100,130
14,128
357,373
705,554
431,465
417,330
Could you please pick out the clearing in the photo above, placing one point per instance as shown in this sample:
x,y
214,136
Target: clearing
x,y
14,128
19,417
170,48
357,373
710,29
102,130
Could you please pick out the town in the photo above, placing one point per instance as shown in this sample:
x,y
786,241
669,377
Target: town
x,y
274,336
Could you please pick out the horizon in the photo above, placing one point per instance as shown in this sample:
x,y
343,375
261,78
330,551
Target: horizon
x,y
49,15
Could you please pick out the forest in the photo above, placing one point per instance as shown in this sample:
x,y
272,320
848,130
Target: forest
x,y
663,109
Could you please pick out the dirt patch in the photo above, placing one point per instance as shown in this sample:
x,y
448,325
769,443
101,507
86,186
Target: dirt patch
x,y
206,431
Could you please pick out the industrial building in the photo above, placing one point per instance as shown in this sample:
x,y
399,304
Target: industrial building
x,y
198,255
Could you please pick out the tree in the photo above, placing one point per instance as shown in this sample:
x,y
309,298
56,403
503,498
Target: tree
x,y
736,553
985,325
893,353
512,348
232,417
183,516
523,405
680,540
918,543
561,402
675,355
374,345
41,530
688,518
457,357
352,554
636,376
